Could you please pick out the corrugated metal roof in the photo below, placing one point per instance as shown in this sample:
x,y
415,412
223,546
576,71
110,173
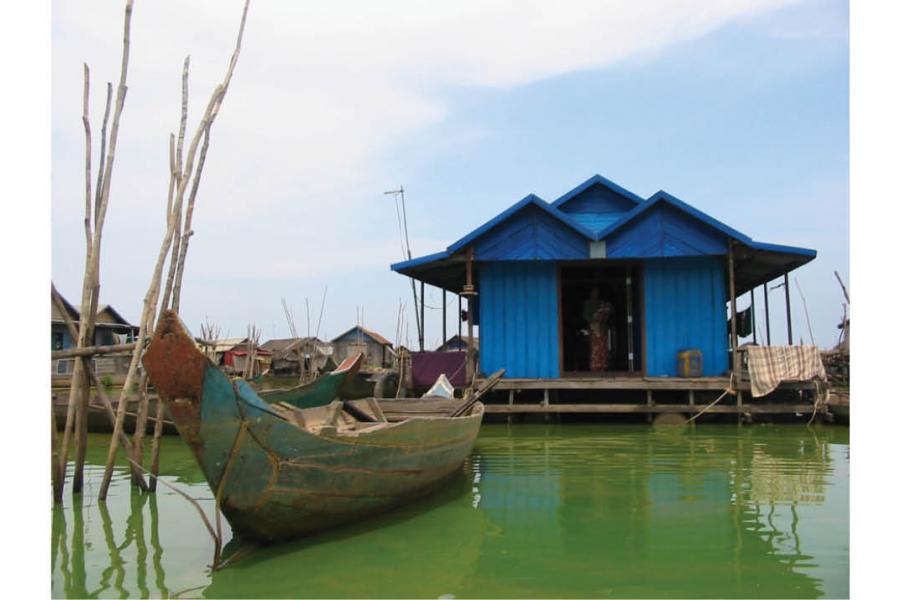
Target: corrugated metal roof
x,y
591,182
369,332
224,345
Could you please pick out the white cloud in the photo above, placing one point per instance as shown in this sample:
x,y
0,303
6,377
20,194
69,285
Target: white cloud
x,y
322,91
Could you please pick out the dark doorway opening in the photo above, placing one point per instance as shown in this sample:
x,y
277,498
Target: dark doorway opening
x,y
619,286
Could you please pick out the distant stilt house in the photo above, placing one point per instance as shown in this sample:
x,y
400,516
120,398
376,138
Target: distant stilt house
x,y
665,272
376,349
110,328
299,356
231,355
457,343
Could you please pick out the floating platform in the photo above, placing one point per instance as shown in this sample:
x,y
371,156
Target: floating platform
x,y
648,396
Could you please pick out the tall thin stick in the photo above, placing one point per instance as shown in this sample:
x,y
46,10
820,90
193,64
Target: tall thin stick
x,y
104,399
173,215
805,311
321,311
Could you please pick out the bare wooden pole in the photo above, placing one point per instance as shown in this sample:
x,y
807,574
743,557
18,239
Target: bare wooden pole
x,y
766,303
843,287
787,306
422,317
753,313
89,351
101,393
173,215
805,311
76,388
734,356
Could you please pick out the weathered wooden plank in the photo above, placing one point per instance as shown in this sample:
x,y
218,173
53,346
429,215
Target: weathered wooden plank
x,y
643,408
636,383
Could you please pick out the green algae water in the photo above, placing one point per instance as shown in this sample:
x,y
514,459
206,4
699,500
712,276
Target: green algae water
x,y
615,511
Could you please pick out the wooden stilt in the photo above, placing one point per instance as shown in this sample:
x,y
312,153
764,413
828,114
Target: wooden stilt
x,y
444,313
156,443
787,304
649,403
691,397
422,317
766,302
753,314
734,338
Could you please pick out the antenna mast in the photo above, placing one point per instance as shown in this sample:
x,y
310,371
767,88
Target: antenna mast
x,y
404,246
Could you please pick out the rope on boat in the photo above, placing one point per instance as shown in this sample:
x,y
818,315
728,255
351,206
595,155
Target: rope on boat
x,y
728,390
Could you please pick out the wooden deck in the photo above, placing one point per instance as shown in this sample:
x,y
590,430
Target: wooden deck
x,y
692,395
636,383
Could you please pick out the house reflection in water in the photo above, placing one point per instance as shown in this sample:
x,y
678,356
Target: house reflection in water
x,y
621,513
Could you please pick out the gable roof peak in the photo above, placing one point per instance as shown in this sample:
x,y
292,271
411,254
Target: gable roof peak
x,y
596,180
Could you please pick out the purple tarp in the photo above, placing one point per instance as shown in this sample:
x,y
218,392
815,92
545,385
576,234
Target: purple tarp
x,y
428,366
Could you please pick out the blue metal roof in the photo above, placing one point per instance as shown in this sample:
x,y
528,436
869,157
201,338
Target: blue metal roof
x,y
442,261
529,200
421,260
663,196
597,180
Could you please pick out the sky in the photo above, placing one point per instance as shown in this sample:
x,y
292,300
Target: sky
x,y
740,108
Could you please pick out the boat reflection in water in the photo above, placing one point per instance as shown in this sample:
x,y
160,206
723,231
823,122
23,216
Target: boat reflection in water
x,y
538,511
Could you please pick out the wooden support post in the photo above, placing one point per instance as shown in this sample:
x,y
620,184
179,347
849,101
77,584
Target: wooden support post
x,y
458,319
787,304
444,319
469,293
629,294
422,317
649,403
734,357
691,397
766,302
512,394
753,314
740,405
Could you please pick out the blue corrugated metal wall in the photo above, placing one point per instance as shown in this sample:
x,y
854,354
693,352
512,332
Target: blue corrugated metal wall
x,y
518,318
685,308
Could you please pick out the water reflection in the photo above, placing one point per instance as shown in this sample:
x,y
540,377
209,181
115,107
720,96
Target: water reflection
x,y
538,511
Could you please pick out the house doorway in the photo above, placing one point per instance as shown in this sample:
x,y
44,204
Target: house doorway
x,y
616,288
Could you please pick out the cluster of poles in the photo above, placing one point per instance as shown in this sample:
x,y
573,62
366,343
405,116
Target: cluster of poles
x,y
186,169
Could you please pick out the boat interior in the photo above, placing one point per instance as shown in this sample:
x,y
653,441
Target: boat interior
x,y
346,417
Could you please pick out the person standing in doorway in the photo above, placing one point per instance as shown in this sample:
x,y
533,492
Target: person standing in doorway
x,y
597,313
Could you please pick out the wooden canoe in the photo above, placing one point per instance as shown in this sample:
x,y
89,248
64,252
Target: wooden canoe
x,y
319,392
275,480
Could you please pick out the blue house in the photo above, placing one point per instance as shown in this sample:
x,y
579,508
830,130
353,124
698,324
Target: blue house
x,y
668,270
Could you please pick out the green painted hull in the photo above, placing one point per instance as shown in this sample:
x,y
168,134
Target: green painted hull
x,y
276,481
320,392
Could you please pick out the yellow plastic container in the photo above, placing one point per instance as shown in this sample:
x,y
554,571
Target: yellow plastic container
x,y
690,363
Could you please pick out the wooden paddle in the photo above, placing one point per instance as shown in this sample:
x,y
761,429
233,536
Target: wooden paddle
x,y
471,397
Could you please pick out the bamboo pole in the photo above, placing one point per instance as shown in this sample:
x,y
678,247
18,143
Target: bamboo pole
x,y
733,302
104,399
173,215
91,283
89,351
805,311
